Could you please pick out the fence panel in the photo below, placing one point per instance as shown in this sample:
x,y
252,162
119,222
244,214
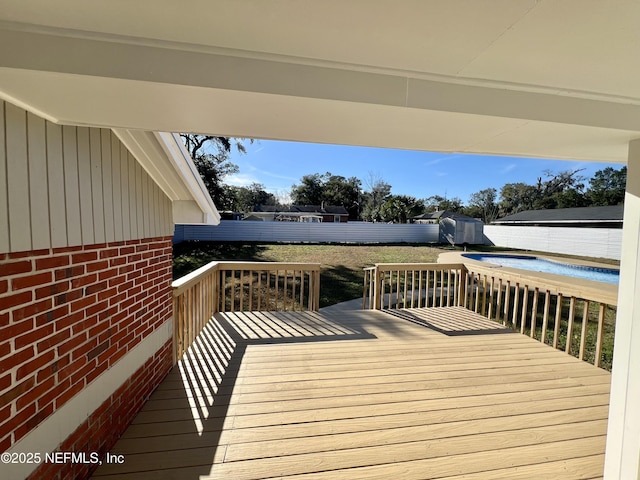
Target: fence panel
x,y
589,242
351,232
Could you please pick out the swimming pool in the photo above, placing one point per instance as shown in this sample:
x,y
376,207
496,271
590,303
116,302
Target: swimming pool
x,y
537,264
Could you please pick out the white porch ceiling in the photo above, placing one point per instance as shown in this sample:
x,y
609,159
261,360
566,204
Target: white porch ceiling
x,y
555,79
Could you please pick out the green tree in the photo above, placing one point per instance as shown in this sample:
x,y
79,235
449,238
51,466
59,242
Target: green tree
x,y
211,155
400,208
309,191
571,198
316,189
516,197
438,202
245,199
484,205
550,191
607,187
372,200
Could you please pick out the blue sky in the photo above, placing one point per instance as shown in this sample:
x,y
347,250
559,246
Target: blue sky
x,y
279,165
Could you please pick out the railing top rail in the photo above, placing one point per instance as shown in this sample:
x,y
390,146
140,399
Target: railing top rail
x,y
268,266
386,267
183,283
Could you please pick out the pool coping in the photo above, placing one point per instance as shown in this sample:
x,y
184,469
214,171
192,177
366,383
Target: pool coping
x,y
593,289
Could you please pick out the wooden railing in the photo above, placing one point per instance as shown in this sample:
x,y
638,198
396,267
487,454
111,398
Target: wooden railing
x,y
570,317
412,285
239,286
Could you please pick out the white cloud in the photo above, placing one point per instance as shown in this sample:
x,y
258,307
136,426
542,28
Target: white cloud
x,y
437,160
240,180
509,168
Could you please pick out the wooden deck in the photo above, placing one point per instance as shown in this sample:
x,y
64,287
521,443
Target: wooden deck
x,y
367,394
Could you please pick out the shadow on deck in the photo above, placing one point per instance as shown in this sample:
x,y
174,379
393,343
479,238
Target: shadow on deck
x,y
365,394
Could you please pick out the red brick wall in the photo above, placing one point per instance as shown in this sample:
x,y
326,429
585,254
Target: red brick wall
x,y
101,431
67,315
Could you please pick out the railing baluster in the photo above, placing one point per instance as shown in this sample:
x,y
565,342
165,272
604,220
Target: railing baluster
x,y
558,316
316,294
468,292
545,317
598,354
583,333
241,299
507,297
490,311
572,310
398,288
484,294
457,276
534,312
516,301
413,287
364,289
476,292
525,302
499,301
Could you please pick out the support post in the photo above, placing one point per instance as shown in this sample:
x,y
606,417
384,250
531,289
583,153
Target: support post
x,y
622,459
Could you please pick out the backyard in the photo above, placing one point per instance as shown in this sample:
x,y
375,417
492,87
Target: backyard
x,y
341,275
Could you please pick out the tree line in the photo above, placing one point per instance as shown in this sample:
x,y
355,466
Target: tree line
x,y
373,201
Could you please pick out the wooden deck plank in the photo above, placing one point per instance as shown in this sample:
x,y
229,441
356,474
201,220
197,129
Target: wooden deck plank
x,y
572,469
376,430
327,388
556,370
367,421
368,395
261,403
406,461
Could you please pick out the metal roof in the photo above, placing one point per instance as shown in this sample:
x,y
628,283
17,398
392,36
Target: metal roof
x,y
567,215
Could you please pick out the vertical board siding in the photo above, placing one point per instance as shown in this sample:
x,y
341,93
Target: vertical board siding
x,y
69,186
588,242
351,232
133,198
86,195
107,185
72,192
17,176
4,203
124,189
96,185
117,192
38,188
55,174
146,193
139,203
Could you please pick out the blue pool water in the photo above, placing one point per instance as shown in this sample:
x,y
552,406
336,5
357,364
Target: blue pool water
x,y
536,264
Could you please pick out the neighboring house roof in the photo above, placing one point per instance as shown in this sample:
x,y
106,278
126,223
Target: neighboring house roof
x,y
607,214
317,209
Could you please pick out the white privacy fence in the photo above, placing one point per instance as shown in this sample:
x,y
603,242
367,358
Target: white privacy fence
x,y
351,232
588,242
